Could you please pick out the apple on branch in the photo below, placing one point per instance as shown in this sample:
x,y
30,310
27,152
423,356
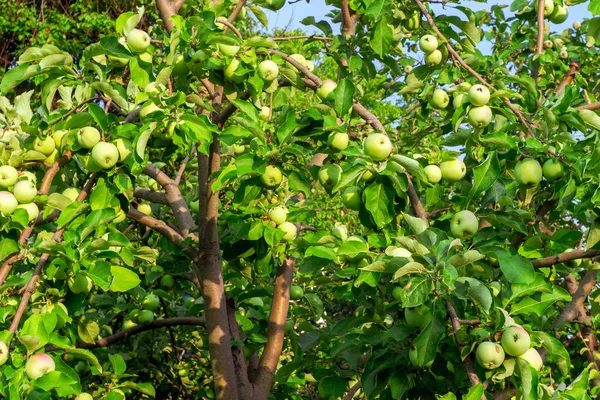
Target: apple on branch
x,y
378,146
138,41
490,355
39,365
8,176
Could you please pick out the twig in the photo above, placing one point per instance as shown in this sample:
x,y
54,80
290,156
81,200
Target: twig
x,y
230,26
281,39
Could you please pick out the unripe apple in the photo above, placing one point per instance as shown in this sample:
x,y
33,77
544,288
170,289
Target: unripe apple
x,y
124,147
528,172
118,61
44,146
338,141
329,175
296,293
138,41
576,25
290,231
88,137
515,341
24,191
71,193
128,324
271,177
144,208
80,284
433,58
490,355
533,358
310,65
149,108
32,210
228,50
264,113
397,293
3,353
325,91
548,44
440,99
433,173
417,317
428,43
105,155
167,281
459,99
145,317
453,170
84,396
552,170
560,14
58,136
548,7
352,198
378,146
413,21
52,157
268,70
464,224
564,54
278,215
408,69
479,95
8,176
298,57
151,302
120,216
38,365
274,5
230,71
480,117
8,203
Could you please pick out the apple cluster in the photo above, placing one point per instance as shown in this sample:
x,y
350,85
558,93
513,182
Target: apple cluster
x,y
278,215
515,342
555,12
16,192
137,41
145,315
529,172
103,155
429,45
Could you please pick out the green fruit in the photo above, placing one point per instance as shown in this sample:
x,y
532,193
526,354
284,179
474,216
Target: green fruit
x,y
515,341
464,224
480,117
433,173
105,155
548,7
278,215
228,50
329,175
8,176
352,198
84,396
80,284
24,191
45,146
560,14
453,170
268,70
145,208
3,353
71,193
533,358
479,95
418,317
378,146
272,176
274,5
39,365
88,137
434,58
413,21
440,99
32,210
552,170
290,231
296,293
151,302
124,147
325,91
528,172
138,41
167,281
145,317
413,357
397,293
338,141
489,355
428,43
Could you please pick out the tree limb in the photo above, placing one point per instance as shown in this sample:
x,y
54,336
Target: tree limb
x,y
572,311
564,257
151,196
415,201
168,8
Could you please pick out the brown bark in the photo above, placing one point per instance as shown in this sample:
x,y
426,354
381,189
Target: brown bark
x,y
168,8
564,257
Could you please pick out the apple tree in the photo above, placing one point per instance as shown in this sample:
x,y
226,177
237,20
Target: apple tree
x,y
404,209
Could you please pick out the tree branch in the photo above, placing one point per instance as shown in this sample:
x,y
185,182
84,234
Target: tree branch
x,y
276,332
230,26
573,310
593,106
168,8
349,19
355,388
564,257
539,48
151,196
309,37
415,201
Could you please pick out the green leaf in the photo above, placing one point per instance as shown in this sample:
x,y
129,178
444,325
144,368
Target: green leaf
x,y
88,330
529,379
416,291
516,269
7,247
379,201
316,304
472,288
343,97
539,302
466,258
381,39
474,393
416,224
555,350
410,268
123,279
376,9
485,175
426,343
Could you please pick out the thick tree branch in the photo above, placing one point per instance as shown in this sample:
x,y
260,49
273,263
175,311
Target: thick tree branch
x,y
245,388
564,257
168,8
151,196
573,310
539,48
593,106
236,11
355,388
276,332
568,78
169,233
349,19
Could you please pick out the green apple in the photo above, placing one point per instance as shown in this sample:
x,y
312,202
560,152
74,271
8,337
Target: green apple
x,y
433,173
428,43
271,177
149,108
144,208
548,7
264,114
298,57
88,137
120,216
80,284
124,147
138,41
439,99
8,203
479,95
58,137
576,25
128,324
528,172
278,215
228,50
71,193
413,357
560,14
90,165
268,70
84,396
480,117
564,54
453,170
39,365
310,65
118,61
151,302
351,197
418,317
533,358
338,141
413,21
8,176
515,341
145,317
464,224
408,69
329,175
397,293
3,353
32,210
44,146
489,355
30,176
274,5
52,157
290,231
167,281
25,191
296,293
230,71
378,146
325,91
434,58
552,170
105,155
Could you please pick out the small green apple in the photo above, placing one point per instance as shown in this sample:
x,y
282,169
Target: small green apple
x,y
167,281
397,293
464,224
479,95
84,396
264,114
80,284
378,146
434,58
8,203
118,61
144,208
8,176
105,155
351,197
413,21
297,57
57,136
329,175
325,91
453,170
278,215
553,170
228,50
433,173
408,69
151,302
459,99
32,210
25,191
515,341
296,293
138,41
489,355
528,172
290,231
230,71
271,177
480,117
268,70
310,65
274,5
548,7
439,99
145,317
533,358
560,14
44,146
88,137
338,141
418,317
39,365
428,43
